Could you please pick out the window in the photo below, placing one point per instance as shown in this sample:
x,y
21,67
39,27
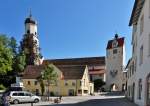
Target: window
x,y
114,51
149,45
135,64
84,83
73,84
66,84
133,48
133,68
85,91
28,31
35,82
149,8
79,91
141,55
28,82
114,43
148,87
130,70
142,24
15,94
80,83
128,90
27,94
140,89
20,94
37,91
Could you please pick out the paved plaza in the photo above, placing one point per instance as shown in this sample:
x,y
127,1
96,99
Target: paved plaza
x,y
105,100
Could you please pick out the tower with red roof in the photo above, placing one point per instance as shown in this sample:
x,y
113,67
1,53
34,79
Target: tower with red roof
x,y
115,59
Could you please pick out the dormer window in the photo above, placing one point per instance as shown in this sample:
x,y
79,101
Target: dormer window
x,y
114,44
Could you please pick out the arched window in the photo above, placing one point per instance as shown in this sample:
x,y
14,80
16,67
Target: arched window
x,y
28,31
140,89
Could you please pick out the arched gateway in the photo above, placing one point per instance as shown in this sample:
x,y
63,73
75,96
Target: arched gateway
x,y
114,87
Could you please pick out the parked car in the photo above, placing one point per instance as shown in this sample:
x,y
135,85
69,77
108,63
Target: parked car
x,y
22,96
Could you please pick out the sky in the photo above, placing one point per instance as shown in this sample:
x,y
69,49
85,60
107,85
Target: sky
x,y
70,28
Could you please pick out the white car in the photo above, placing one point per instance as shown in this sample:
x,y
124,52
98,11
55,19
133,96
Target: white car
x,y
16,97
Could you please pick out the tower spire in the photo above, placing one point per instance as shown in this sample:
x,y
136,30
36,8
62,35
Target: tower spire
x,y
30,13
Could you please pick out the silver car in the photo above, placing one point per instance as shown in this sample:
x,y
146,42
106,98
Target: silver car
x,y
22,96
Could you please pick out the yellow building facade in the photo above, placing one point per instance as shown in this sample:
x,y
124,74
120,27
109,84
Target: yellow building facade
x,y
71,81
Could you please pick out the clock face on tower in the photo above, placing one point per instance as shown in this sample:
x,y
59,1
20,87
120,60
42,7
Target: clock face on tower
x,y
114,43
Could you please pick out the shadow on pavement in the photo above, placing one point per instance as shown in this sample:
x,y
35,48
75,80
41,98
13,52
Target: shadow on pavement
x,y
100,102
112,94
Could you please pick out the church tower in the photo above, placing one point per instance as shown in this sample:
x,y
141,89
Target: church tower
x,y
30,42
115,61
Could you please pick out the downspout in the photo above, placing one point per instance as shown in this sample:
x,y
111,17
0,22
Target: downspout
x,y
76,87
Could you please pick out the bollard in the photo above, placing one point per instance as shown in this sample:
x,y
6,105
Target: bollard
x,y
31,103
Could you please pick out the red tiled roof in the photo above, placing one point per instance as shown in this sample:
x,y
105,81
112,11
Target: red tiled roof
x,y
96,71
33,71
72,72
120,43
68,72
78,61
71,68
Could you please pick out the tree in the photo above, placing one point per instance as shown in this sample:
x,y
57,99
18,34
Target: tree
x,y
12,61
42,85
6,55
98,83
13,45
20,62
50,76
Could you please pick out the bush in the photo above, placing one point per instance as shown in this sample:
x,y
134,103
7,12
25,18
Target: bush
x,y
2,87
98,83
52,94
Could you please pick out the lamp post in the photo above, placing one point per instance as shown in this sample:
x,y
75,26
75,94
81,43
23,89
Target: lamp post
x,y
48,82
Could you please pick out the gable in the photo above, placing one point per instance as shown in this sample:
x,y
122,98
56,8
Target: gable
x,y
119,40
34,71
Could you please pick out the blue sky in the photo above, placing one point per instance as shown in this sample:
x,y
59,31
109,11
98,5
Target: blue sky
x,y
69,28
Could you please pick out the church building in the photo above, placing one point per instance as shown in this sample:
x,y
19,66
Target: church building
x,y
75,70
30,42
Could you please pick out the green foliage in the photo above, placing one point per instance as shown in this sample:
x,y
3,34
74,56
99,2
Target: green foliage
x,y
52,93
6,55
11,61
2,87
13,45
49,74
98,83
4,40
20,62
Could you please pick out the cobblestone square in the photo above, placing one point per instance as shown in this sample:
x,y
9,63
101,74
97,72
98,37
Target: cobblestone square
x,y
87,101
